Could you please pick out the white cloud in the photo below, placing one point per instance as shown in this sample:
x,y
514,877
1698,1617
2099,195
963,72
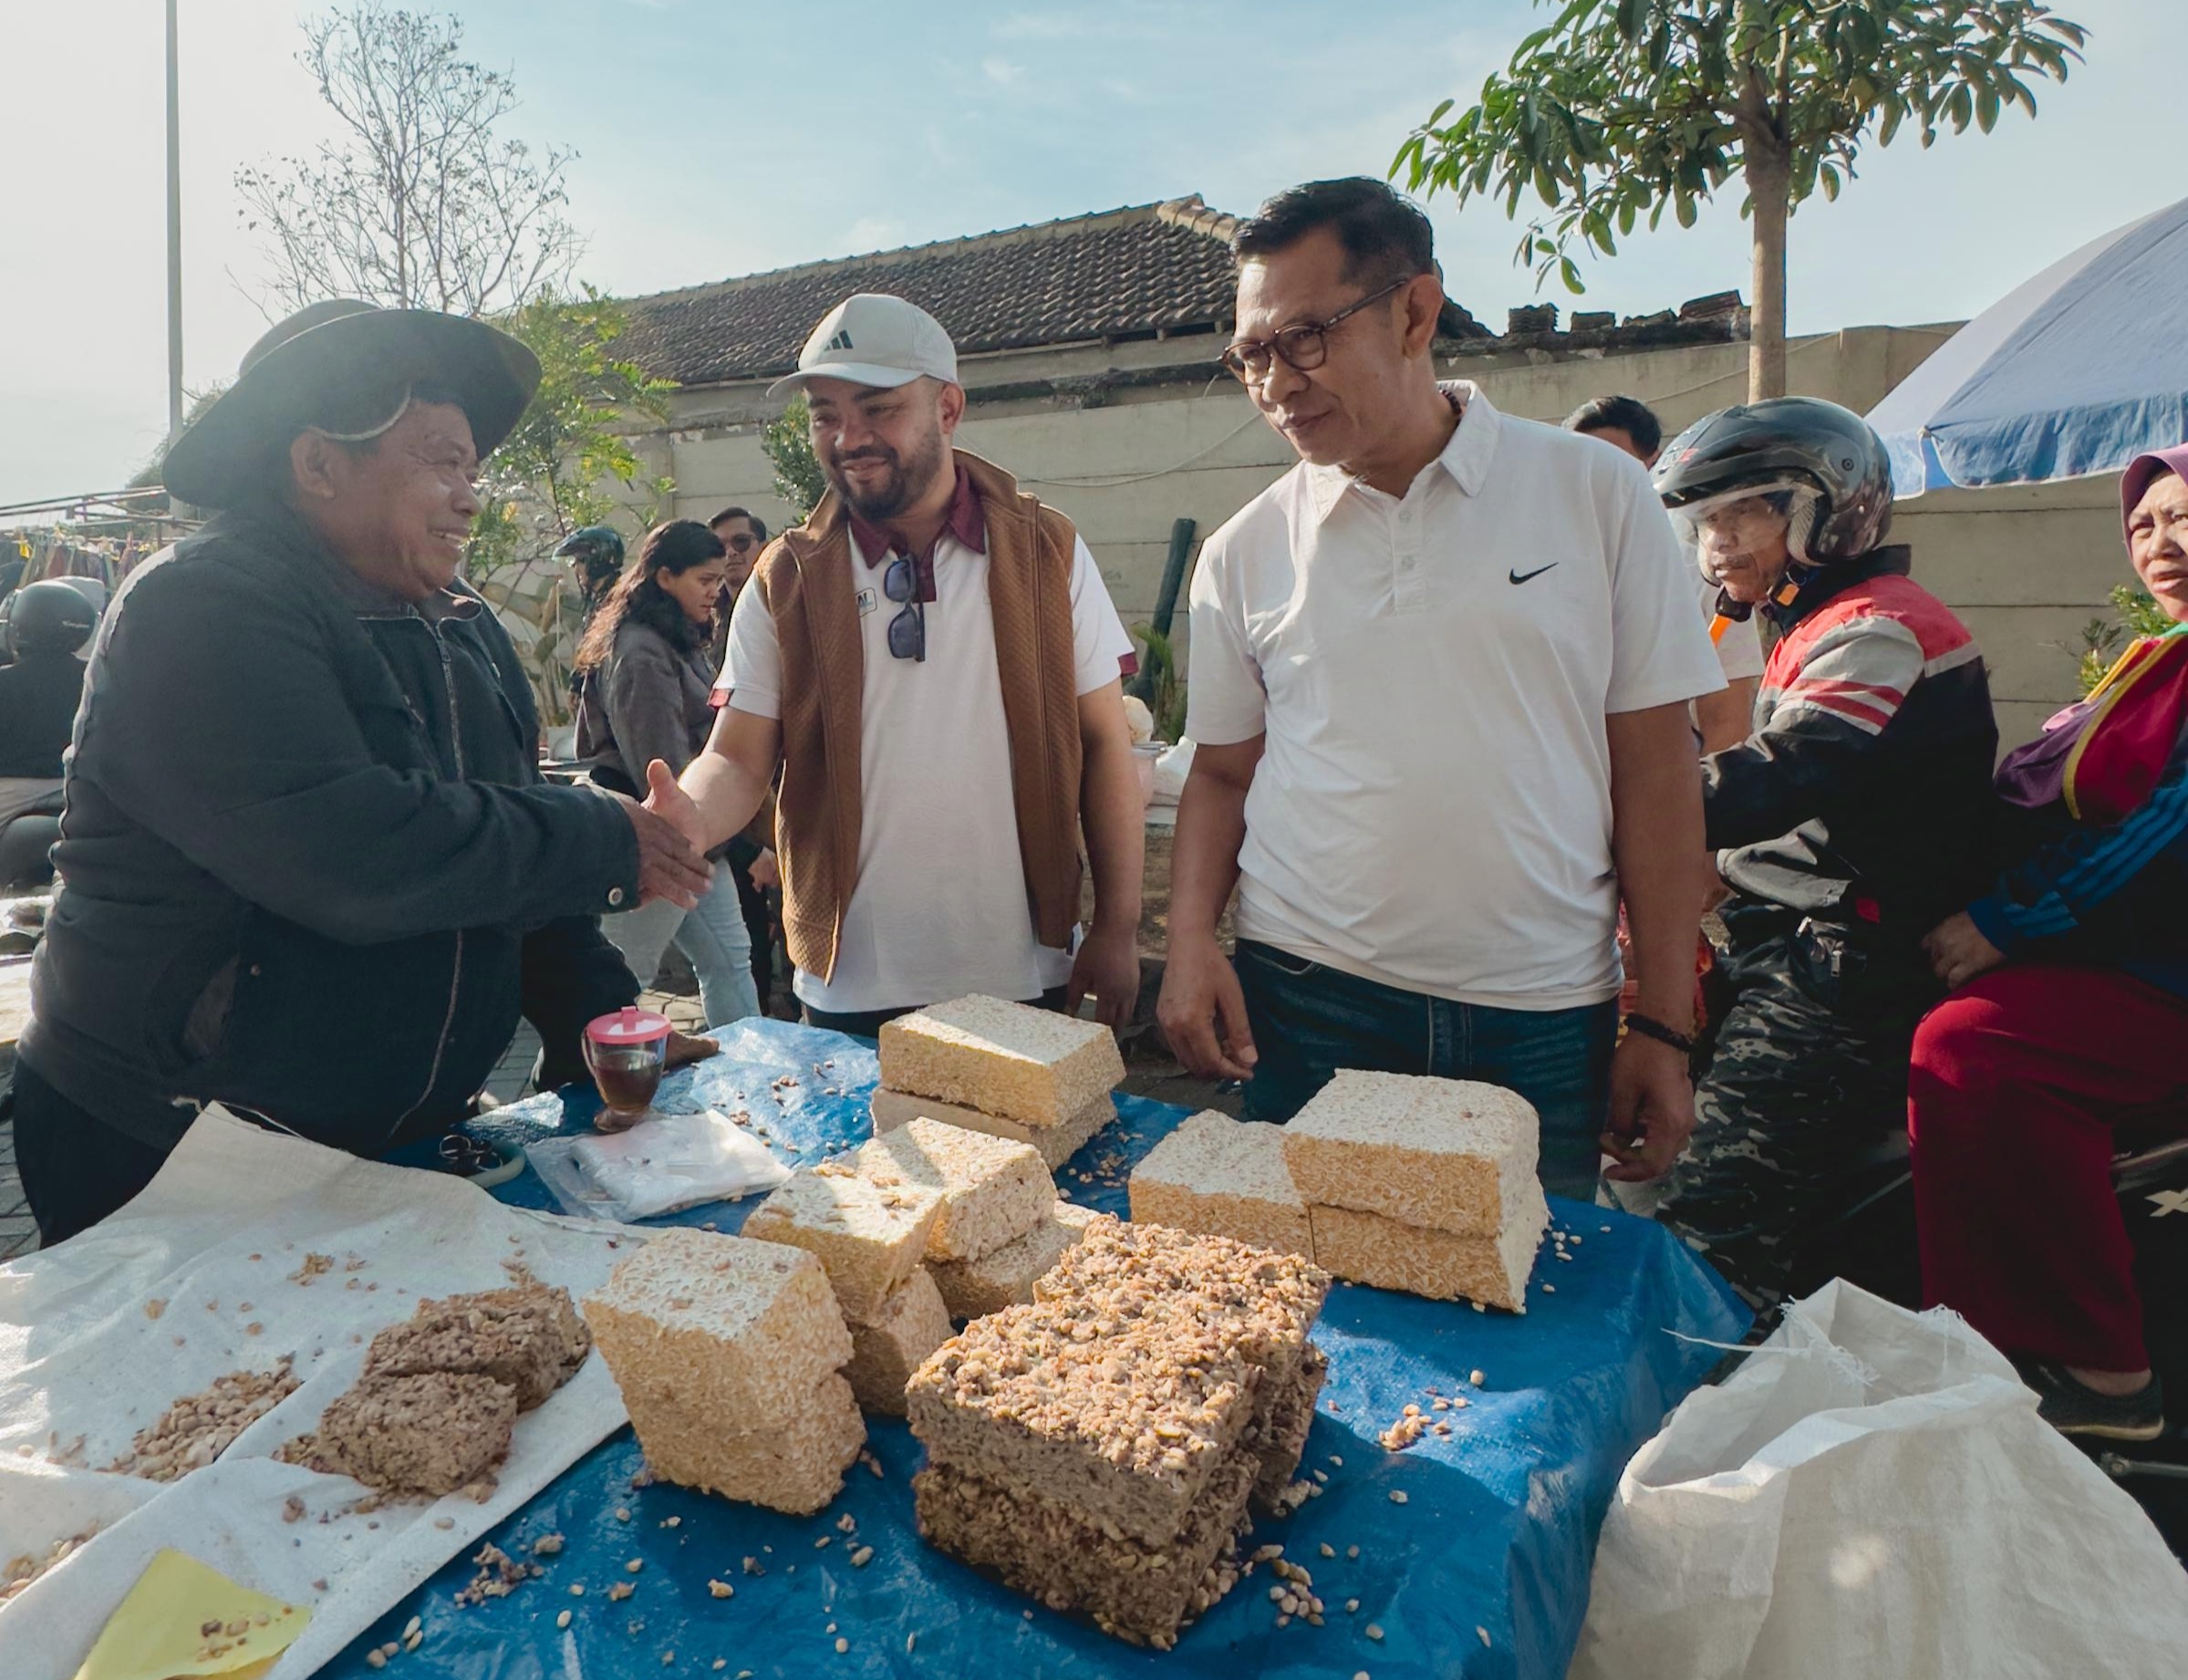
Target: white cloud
x,y
875,233
1001,72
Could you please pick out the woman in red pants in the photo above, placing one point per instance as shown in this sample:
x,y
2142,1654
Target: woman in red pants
x,y
2069,1011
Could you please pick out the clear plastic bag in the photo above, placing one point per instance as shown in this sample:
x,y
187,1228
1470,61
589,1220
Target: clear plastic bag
x,y
664,1163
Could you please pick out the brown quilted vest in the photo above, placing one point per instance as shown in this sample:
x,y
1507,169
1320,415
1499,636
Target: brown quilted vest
x,y
804,577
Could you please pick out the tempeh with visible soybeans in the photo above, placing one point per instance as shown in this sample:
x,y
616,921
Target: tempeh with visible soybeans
x,y
1033,1066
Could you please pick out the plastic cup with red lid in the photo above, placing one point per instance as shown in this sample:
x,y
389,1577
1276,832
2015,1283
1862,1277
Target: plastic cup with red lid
x,y
626,1052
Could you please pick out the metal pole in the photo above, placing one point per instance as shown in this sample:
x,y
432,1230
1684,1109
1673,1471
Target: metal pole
x,y
174,236
1173,574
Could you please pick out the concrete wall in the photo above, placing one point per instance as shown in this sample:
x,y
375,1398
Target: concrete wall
x,y
2028,567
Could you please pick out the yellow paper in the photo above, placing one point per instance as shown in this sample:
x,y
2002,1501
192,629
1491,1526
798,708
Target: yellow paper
x,y
161,1630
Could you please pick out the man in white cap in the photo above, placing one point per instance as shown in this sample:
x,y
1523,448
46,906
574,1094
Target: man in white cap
x,y
933,662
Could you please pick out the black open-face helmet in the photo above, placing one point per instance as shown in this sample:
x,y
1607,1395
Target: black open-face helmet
x,y
596,553
48,617
1825,461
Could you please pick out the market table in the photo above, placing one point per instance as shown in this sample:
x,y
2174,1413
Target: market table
x,y
1482,1569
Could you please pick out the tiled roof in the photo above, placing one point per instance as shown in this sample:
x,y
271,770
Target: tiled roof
x,y
1119,274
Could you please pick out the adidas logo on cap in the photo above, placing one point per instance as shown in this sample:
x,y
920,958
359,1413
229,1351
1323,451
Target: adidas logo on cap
x,y
874,339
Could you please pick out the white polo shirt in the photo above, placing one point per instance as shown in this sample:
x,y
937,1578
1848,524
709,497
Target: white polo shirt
x,y
1432,809
940,908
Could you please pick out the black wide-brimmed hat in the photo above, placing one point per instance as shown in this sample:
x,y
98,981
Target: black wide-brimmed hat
x,y
301,372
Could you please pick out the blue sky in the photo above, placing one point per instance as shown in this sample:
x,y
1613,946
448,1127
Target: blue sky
x,y
719,137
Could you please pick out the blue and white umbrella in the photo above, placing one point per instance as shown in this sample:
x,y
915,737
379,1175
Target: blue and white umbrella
x,y
2075,372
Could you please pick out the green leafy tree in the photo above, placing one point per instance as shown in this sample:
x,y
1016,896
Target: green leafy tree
x,y
788,443
2103,637
560,470
1621,109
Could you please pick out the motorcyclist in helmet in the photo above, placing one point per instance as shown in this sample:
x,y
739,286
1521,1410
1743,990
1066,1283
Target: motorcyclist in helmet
x,y
48,625
595,556
1854,816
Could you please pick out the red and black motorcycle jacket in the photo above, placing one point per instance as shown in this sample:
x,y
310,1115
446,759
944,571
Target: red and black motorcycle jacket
x,y
1863,794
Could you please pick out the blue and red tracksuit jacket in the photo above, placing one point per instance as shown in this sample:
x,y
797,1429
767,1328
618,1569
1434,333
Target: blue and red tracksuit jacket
x,y
1863,793
2082,891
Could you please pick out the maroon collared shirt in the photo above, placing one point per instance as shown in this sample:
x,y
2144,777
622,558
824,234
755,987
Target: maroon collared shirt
x,y
965,520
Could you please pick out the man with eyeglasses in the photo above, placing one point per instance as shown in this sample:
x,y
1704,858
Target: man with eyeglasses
x,y
1438,691
743,535
751,854
934,662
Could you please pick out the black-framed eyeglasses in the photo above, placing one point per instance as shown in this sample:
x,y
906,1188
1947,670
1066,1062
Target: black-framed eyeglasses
x,y
907,629
743,543
1304,347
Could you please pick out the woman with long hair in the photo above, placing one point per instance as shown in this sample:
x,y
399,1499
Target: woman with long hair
x,y
645,682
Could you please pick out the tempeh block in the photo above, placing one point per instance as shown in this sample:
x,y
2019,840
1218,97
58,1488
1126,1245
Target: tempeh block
x,y
1125,1427
725,1331
867,1224
1439,1153
420,1435
1051,1552
1368,1249
1057,1144
993,1191
974,1289
912,1323
798,1468
1223,1177
1282,1438
1024,1063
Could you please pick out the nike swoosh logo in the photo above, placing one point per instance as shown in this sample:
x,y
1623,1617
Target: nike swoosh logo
x,y
1520,577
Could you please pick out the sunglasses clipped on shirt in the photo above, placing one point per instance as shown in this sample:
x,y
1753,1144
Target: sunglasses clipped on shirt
x,y
907,629
1304,348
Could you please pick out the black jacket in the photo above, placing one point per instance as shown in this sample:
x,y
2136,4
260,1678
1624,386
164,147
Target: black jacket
x,y
1864,793
37,703
311,870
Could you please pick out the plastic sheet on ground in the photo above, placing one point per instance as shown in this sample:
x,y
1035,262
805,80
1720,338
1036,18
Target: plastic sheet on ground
x,y
1482,1571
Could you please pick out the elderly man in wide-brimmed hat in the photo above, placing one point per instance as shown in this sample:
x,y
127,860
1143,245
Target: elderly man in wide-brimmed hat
x,y
311,871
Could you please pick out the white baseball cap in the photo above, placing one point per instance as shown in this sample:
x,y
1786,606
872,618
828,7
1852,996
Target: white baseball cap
x,y
871,339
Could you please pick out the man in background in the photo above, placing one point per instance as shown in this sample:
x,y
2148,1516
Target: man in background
x,y
744,535
1724,719
751,854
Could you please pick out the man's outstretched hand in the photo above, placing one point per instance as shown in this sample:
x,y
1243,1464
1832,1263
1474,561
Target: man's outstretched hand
x,y
666,799
670,865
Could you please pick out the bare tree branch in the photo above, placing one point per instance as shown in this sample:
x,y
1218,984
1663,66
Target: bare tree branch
x,y
419,202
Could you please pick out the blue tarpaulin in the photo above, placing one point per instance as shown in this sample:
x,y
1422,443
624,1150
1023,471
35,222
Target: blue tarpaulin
x,y
1482,1571
2074,372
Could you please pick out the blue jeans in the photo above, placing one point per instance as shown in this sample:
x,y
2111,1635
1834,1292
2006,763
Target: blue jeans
x,y
713,936
1309,1021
